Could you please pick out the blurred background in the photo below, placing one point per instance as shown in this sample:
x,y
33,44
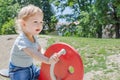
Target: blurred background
x,y
80,18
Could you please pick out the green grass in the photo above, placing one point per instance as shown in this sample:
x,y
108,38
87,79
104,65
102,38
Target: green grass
x,y
93,51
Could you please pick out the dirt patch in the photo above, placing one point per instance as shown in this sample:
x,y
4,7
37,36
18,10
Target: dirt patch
x,y
6,42
111,73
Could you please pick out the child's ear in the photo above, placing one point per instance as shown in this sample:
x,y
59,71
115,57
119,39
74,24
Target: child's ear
x,y
22,22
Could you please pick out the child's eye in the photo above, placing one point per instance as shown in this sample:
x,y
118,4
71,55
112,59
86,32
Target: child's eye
x,y
42,22
35,22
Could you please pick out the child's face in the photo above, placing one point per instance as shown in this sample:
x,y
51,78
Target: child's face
x,y
34,24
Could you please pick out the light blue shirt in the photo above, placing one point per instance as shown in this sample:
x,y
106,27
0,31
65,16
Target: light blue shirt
x,y
18,57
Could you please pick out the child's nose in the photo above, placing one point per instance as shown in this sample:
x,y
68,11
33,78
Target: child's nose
x,y
40,24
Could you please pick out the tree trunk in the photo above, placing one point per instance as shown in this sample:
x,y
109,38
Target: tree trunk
x,y
117,27
99,32
117,24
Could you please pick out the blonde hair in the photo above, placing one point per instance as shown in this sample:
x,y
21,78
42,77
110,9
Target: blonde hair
x,y
28,11
25,13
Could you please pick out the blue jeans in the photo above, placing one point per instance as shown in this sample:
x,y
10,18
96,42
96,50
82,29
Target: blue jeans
x,y
23,73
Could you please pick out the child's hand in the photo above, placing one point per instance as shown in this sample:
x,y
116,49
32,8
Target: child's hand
x,y
54,58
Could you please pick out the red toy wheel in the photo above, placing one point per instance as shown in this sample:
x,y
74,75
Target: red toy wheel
x,y
70,66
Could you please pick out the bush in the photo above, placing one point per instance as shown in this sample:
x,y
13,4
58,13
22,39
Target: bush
x,y
8,27
67,30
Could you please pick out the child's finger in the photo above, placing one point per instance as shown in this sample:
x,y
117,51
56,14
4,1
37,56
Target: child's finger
x,y
56,58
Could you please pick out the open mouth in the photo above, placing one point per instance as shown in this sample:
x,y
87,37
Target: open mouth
x,y
37,29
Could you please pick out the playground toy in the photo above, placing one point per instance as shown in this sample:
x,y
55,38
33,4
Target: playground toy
x,y
69,67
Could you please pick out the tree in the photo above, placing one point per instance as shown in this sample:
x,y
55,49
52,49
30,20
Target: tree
x,y
109,14
115,5
83,11
92,15
8,27
49,17
7,11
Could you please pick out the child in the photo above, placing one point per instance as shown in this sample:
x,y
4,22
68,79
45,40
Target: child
x,y
26,47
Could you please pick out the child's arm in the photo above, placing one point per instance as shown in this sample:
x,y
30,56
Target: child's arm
x,y
40,57
41,50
